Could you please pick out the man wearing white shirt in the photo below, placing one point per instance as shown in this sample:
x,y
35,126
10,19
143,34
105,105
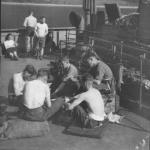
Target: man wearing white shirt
x,y
37,102
93,114
16,87
30,24
41,30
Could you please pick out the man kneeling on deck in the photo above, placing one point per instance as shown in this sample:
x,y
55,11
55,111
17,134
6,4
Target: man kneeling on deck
x,y
37,102
93,114
69,79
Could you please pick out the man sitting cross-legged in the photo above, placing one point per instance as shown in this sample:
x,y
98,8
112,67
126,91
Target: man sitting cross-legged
x,y
37,101
93,114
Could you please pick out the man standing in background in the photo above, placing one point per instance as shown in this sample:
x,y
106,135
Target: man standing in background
x,y
41,31
30,24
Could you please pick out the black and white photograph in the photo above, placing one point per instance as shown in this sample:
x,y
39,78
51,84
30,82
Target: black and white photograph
x,y
75,75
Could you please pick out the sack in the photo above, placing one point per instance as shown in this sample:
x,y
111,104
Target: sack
x,y
18,128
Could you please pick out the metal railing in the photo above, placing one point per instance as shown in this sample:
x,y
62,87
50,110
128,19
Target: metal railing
x,y
140,48
58,31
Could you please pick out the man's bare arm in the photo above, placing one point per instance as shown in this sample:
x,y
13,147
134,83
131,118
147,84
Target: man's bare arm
x,y
25,22
76,102
46,31
35,31
16,86
98,82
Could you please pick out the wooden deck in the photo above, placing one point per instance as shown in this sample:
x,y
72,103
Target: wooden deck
x,y
115,137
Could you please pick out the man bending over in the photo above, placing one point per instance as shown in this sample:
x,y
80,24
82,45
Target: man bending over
x,y
93,114
37,102
69,78
17,83
102,74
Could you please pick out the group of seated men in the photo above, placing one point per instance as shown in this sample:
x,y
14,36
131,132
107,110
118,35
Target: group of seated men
x,y
33,95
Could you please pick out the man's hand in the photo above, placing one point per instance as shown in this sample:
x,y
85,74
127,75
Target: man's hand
x,y
16,44
67,99
49,84
97,82
67,106
74,79
66,78
71,78
53,99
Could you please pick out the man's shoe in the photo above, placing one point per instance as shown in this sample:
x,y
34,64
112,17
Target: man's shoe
x,y
41,57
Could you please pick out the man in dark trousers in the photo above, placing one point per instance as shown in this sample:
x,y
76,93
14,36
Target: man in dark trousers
x,y
29,24
102,74
41,31
69,78
37,104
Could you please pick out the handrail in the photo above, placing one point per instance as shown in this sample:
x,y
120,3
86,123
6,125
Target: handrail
x,y
97,32
121,44
50,29
123,53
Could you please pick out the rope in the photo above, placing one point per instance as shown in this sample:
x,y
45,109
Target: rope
x,y
139,127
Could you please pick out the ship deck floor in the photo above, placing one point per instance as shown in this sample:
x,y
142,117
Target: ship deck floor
x,y
114,137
